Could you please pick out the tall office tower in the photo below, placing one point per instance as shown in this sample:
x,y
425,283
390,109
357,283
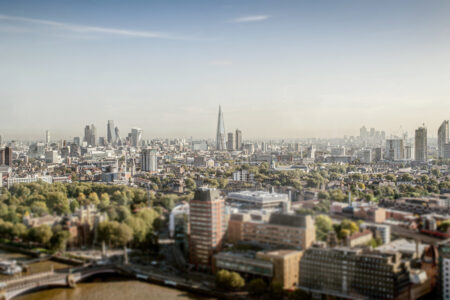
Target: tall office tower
x,y
77,141
421,144
442,138
394,149
93,140
136,137
311,152
102,141
230,142
238,143
220,136
47,137
207,226
117,141
90,135
110,132
87,134
149,162
363,133
6,156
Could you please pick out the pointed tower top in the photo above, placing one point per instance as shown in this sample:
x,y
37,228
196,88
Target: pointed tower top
x,y
220,134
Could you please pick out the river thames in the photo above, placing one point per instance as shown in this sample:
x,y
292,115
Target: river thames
x,y
104,287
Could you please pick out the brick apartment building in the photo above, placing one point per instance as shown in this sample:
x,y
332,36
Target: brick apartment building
x,y
207,226
284,230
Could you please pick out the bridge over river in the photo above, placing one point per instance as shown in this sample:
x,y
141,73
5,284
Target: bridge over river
x,y
63,278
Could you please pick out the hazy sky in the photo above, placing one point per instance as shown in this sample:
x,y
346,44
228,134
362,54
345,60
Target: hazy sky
x,y
278,68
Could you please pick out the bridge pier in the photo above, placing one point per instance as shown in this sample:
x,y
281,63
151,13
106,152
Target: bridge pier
x,y
70,281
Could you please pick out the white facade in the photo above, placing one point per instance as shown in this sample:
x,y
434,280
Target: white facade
x,y
365,156
11,181
394,149
257,200
199,146
51,157
383,230
243,175
149,160
409,152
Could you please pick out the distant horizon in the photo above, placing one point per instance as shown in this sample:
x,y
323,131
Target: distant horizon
x,y
101,132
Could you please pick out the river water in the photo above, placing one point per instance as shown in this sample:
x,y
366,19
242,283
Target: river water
x,y
110,287
105,289
43,266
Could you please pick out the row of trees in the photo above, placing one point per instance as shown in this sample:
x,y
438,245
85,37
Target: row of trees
x,y
44,236
41,198
257,288
131,221
324,225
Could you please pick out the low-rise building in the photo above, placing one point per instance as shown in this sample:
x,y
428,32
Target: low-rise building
x,y
285,230
278,265
286,265
353,273
257,200
379,230
371,213
359,238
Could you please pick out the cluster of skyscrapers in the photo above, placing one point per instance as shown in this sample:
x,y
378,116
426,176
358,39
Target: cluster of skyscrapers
x,y
222,143
90,135
398,149
112,136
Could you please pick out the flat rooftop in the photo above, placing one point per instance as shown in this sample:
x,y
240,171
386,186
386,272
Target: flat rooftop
x,y
258,196
403,246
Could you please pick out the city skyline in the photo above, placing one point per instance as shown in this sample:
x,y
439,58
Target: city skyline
x,y
257,149
395,134
298,70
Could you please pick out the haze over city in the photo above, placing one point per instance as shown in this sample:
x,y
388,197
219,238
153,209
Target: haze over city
x,y
292,69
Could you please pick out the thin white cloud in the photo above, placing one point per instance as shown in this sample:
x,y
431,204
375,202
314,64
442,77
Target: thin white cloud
x,y
247,19
221,62
90,29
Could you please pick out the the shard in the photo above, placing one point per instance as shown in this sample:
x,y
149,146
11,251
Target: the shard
x,y
220,136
